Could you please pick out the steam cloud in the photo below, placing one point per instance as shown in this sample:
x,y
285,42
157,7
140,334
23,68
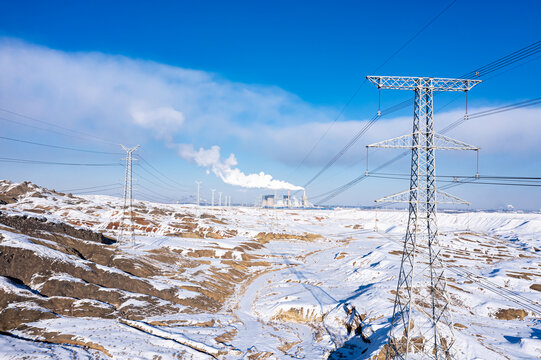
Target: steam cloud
x,y
227,171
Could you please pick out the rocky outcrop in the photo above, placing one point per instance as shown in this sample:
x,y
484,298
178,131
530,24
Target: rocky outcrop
x,y
35,226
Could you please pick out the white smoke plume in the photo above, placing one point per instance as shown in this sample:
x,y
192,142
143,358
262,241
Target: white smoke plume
x,y
227,171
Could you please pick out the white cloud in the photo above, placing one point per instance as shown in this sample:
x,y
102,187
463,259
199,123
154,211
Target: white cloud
x,y
164,120
133,98
513,133
225,170
127,97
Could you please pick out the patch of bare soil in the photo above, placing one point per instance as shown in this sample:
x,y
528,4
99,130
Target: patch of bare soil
x,y
264,237
536,287
295,315
520,275
510,314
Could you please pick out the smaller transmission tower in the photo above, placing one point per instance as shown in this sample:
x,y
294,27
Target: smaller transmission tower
x,y
421,325
219,199
212,190
198,188
128,198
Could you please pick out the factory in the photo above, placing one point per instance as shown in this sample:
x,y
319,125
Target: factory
x,y
287,201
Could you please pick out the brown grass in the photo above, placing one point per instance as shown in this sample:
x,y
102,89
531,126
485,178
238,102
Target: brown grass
x,y
226,337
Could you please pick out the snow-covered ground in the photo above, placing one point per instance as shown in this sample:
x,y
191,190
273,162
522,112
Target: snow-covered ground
x,y
283,283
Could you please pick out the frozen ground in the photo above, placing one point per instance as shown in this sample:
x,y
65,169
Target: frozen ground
x,y
246,283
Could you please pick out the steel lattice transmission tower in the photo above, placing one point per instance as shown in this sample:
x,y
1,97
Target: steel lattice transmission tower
x,y
421,325
128,197
198,188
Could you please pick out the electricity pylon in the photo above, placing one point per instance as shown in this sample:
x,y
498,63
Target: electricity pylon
x,y
198,187
219,199
421,325
128,196
213,190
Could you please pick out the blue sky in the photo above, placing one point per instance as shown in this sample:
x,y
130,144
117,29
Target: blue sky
x,y
262,81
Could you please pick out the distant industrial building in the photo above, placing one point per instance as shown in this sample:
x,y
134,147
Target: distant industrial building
x,y
268,201
287,201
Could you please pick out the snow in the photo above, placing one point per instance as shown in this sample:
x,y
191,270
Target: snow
x,y
296,306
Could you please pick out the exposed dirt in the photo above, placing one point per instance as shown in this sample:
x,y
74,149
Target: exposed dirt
x,y
510,314
295,315
264,237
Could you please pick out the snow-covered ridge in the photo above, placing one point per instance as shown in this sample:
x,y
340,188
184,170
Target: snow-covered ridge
x,y
260,283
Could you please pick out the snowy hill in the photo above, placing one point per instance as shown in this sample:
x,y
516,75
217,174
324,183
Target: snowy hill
x,y
246,283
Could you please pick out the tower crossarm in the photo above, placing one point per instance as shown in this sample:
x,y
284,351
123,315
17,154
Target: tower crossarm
x,y
441,142
413,82
441,198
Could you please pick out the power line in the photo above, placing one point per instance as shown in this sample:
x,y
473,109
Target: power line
x,y
27,161
341,112
474,181
154,192
531,50
164,186
99,190
59,147
74,132
493,111
163,182
497,177
160,173
507,60
357,136
90,188
337,191
343,150
152,197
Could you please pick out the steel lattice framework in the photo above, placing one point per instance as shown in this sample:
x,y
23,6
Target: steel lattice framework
x,y
421,325
128,197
